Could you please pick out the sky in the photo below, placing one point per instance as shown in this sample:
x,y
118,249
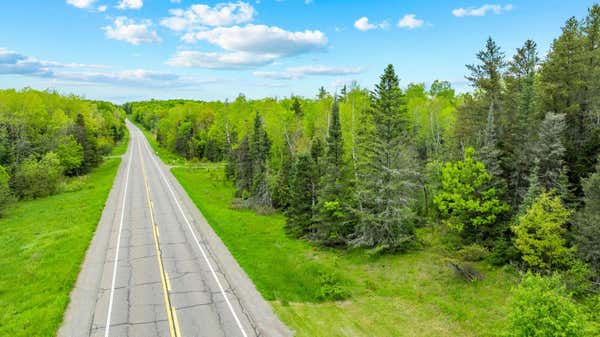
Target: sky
x,y
125,50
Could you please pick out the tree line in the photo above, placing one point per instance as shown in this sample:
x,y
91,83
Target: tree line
x,y
45,137
508,172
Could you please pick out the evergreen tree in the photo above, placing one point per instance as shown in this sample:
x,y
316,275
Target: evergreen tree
x,y
588,224
387,173
549,151
297,107
91,154
281,193
519,119
260,145
299,214
244,169
333,214
322,93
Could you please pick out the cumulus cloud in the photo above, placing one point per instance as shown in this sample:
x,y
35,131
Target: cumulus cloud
x,y
199,16
130,4
13,63
481,11
81,3
299,72
363,24
261,39
233,60
129,30
102,8
410,21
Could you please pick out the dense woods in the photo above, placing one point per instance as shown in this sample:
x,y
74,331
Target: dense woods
x,y
508,171
45,136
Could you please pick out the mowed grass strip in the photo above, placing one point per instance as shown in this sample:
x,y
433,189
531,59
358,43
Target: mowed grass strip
x,y
42,245
411,294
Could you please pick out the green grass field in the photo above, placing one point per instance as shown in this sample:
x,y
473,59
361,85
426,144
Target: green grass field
x,y
411,294
42,246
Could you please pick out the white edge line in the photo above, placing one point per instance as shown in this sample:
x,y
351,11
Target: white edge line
x,y
115,263
212,270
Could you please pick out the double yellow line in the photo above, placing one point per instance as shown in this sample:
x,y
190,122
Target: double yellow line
x,y
166,285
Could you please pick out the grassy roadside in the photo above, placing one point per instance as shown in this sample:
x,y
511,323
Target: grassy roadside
x,y
412,294
42,245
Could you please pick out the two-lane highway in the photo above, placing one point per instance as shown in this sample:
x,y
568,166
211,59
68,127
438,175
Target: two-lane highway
x,y
156,268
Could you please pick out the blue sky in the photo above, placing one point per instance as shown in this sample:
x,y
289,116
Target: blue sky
x,y
123,50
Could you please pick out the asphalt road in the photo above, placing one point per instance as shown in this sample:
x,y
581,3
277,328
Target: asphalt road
x,y
156,268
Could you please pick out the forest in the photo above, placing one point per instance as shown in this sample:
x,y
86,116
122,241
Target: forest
x,y
46,137
506,173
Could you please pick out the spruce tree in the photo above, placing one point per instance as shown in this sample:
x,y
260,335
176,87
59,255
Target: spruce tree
x,y
299,213
333,219
297,107
587,233
387,175
281,193
244,169
549,151
260,146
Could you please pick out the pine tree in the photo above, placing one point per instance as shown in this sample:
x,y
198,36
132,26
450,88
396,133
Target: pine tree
x,y
297,107
299,214
260,145
322,93
281,193
587,231
549,151
387,174
333,220
244,169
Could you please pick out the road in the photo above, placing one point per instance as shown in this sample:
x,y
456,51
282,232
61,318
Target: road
x,y
156,268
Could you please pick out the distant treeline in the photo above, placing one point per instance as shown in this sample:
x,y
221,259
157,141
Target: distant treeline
x,y
508,171
45,136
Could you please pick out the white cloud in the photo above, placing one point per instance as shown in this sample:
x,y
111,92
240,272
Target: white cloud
x,y
13,63
261,39
130,4
410,21
102,8
197,17
481,11
81,3
234,60
363,24
299,72
129,30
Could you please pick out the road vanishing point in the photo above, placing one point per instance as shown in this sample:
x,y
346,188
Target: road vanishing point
x,y
155,268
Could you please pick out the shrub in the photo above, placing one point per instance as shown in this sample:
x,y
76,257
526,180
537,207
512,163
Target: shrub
x,y
504,251
542,307
35,179
5,193
330,288
539,234
473,252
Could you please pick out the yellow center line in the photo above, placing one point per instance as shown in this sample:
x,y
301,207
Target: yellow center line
x,y
166,286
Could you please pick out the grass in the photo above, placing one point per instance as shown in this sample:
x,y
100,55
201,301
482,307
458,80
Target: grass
x,y
42,246
412,294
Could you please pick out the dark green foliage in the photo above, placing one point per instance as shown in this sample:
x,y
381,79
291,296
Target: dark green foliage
x,y
588,225
281,192
89,144
5,192
387,172
245,166
299,214
334,220
38,178
549,151
260,145
297,107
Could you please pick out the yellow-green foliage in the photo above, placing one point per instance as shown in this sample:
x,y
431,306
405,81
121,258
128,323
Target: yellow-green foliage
x,y
540,234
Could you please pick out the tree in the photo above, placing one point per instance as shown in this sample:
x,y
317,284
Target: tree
x,y
587,232
333,220
244,168
70,154
5,192
322,93
542,307
539,234
297,107
91,155
260,146
299,214
281,193
38,178
387,175
467,202
549,151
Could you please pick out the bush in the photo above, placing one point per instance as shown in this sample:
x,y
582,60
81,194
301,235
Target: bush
x,y
577,279
473,252
504,251
36,179
330,288
5,193
542,307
